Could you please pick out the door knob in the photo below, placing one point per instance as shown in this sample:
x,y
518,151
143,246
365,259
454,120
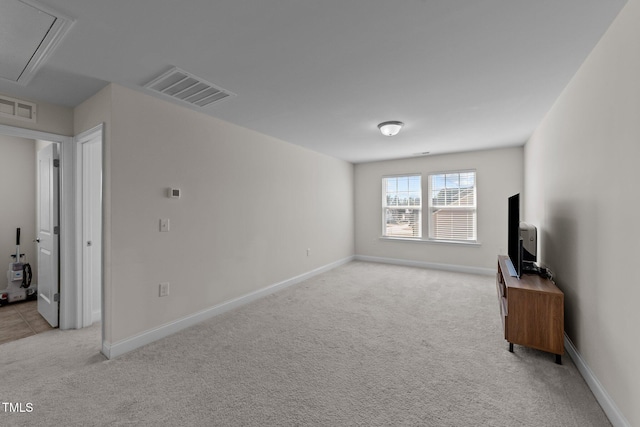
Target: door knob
x,y
89,243
37,240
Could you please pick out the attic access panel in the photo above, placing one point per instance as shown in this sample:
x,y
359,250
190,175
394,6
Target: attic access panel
x,y
28,35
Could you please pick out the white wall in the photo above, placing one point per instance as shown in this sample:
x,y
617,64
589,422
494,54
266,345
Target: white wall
x,y
581,187
251,206
499,175
18,206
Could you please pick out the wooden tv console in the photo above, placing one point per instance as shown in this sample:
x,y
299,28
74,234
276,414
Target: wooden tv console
x,y
532,310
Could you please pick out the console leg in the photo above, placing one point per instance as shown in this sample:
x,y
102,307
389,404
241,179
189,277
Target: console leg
x,y
558,359
511,347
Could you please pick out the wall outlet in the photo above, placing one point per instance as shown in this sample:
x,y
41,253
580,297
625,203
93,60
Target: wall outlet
x,y
164,224
164,289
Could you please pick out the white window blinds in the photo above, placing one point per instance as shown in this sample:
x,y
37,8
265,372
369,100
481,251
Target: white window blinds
x,y
452,206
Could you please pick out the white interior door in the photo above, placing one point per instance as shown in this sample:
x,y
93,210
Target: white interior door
x,y
91,151
47,233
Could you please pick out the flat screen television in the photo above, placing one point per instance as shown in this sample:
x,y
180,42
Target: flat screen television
x,y
514,244
522,240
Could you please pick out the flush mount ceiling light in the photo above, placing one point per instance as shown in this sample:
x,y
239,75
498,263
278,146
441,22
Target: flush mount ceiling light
x,y
390,128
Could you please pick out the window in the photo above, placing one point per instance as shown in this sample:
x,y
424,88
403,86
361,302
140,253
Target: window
x,y
402,206
452,206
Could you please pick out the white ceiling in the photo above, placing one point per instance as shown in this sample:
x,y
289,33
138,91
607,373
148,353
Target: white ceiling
x,y
462,75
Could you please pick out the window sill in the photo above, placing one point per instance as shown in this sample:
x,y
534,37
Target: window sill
x,y
431,241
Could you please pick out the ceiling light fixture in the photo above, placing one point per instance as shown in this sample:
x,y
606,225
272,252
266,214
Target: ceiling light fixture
x,y
390,128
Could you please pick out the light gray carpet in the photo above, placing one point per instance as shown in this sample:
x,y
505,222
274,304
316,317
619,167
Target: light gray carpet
x,y
364,344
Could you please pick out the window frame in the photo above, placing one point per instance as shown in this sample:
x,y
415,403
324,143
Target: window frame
x,y
430,207
386,206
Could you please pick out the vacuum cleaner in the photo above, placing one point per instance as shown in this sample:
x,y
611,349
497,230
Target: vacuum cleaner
x,y
19,278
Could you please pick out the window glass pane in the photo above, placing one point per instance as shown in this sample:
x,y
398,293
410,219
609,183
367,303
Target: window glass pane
x,y
391,184
452,180
414,184
402,222
467,179
414,199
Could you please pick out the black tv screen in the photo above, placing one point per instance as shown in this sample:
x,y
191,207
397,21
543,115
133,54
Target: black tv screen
x,y
513,242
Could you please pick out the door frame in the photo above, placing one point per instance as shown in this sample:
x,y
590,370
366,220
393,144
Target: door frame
x,y
70,303
84,289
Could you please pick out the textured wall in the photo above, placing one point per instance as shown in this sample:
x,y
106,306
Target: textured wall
x,y
251,206
580,186
18,206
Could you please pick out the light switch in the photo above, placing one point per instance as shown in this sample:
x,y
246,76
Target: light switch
x,y
164,289
164,224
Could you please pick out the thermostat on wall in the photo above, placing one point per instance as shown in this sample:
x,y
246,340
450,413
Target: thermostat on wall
x,y
174,193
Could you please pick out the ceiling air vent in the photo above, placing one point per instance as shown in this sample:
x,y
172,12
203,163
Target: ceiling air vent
x,y
17,109
185,87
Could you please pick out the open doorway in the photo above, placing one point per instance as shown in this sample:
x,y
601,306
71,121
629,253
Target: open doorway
x,y
19,238
79,303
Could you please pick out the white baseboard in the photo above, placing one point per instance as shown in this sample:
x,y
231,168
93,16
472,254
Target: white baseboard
x,y
111,350
431,265
606,402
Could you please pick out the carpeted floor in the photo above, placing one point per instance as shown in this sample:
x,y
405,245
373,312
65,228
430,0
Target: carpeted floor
x,y
364,344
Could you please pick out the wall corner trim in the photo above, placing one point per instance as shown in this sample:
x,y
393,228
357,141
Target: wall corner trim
x,y
604,399
431,265
112,350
